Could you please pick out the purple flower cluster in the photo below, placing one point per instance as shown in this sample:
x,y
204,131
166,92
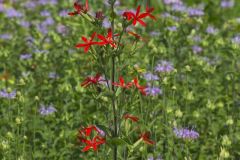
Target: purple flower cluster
x,y
46,110
8,95
211,30
5,36
186,133
197,49
195,12
168,2
227,3
153,91
25,56
150,77
12,13
164,66
236,39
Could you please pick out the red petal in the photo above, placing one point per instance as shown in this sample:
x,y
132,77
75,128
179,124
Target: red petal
x,y
138,10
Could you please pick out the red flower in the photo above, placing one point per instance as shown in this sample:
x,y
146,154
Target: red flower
x,y
87,43
139,87
91,80
131,117
79,8
149,11
94,143
107,40
145,137
137,17
122,83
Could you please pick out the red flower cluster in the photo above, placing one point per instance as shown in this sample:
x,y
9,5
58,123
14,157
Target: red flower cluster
x,y
137,17
92,143
91,80
103,41
131,117
79,8
134,82
145,137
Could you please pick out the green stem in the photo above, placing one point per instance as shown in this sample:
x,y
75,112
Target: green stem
x,y
115,132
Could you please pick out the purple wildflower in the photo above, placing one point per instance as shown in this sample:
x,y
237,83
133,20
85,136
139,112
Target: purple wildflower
x,y
101,132
179,7
62,29
25,56
197,39
172,28
164,66
154,33
186,133
63,13
192,12
227,3
172,2
45,13
46,110
151,77
24,24
211,30
5,36
106,23
48,22
153,91
2,8
236,39
197,49
8,95
11,13
30,4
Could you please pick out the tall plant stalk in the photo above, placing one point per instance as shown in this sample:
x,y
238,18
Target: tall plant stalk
x,y
115,132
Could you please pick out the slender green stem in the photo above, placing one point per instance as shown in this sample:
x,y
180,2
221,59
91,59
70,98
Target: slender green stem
x,y
115,132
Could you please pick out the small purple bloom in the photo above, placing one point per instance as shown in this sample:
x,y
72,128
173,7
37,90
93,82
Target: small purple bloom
x,y
11,13
62,29
172,28
101,132
179,7
24,24
2,8
236,39
197,38
106,23
151,77
48,22
45,13
172,2
197,49
153,91
192,12
8,95
164,66
211,30
25,56
154,33
5,36
30,4
63,13
46,110
227,3
186,133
